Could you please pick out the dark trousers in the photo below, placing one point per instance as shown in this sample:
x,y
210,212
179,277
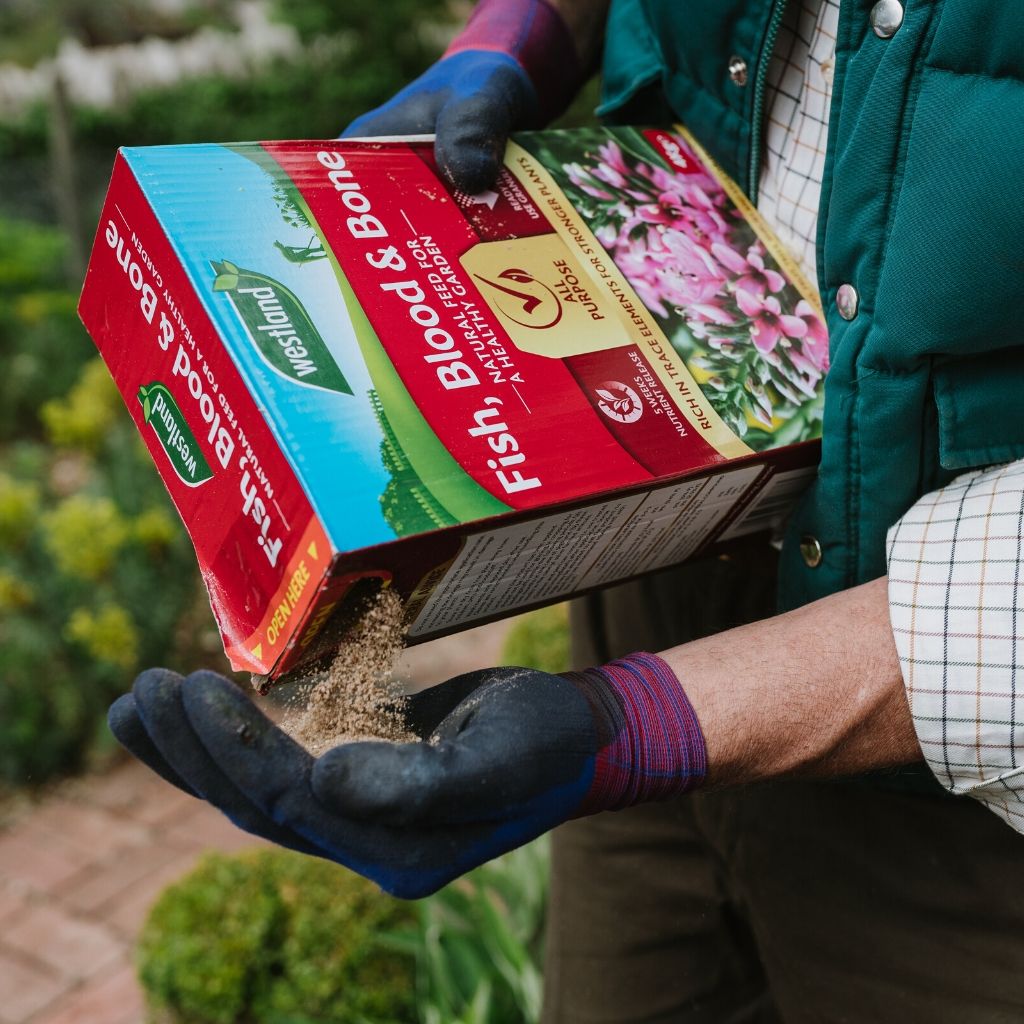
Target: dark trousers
x,y
854,901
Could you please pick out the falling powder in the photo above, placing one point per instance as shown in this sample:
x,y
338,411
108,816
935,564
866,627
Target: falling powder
x,y
356,698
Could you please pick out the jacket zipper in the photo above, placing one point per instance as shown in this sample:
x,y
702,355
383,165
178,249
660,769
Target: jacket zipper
x,y
754,171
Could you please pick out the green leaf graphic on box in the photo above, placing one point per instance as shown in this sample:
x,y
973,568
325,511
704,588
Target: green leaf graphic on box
x,y
227,278
161,412
280,328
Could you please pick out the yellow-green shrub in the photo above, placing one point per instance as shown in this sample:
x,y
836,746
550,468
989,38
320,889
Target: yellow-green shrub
x,y
84,535
540,639
19,508
82,417
108,634
272,936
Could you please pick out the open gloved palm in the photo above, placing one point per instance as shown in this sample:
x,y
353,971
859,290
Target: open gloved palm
x,y
505,754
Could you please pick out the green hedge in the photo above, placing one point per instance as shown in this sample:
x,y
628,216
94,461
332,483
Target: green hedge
x,y
276,938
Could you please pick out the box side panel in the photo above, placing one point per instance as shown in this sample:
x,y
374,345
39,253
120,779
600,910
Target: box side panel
x,y
261,548
454,579
539,560
768,508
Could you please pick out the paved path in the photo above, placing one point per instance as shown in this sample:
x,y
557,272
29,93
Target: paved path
x,y
79,872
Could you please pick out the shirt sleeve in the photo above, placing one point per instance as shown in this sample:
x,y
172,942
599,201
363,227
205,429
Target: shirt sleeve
x,y
956,598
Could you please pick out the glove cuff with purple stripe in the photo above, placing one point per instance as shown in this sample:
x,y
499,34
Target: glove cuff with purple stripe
x,y
534,35
650,744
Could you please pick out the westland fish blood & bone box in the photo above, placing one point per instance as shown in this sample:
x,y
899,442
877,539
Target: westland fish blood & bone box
x,y
345,372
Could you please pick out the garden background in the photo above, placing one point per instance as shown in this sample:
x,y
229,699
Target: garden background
x,y
97,578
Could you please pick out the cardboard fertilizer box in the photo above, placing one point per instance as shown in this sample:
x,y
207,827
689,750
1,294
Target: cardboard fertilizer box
x,y
345,372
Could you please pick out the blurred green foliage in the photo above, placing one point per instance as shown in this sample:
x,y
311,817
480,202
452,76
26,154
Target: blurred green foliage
x,y
30,31
43,344
358,55
276,938
540,639
96,574
479,943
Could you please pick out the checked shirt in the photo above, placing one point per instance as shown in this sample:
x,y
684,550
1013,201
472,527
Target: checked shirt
x,y
956,599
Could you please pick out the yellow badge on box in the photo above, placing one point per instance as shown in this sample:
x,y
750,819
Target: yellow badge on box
x,y
544,297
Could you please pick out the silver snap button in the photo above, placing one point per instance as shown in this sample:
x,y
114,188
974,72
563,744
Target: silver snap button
x,y
847,301
738,70
810,551
886,18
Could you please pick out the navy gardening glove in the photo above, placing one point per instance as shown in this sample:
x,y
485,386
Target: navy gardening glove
x,y
513,66
506,754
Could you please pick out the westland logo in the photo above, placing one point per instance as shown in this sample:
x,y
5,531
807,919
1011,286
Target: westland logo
x,y
161,412
280,328
523,299
619,402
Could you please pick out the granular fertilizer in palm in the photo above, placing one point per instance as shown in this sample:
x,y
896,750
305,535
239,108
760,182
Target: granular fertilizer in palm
x,y
357,697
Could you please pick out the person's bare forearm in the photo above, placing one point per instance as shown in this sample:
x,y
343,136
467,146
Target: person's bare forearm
x,y
586,20
814,692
